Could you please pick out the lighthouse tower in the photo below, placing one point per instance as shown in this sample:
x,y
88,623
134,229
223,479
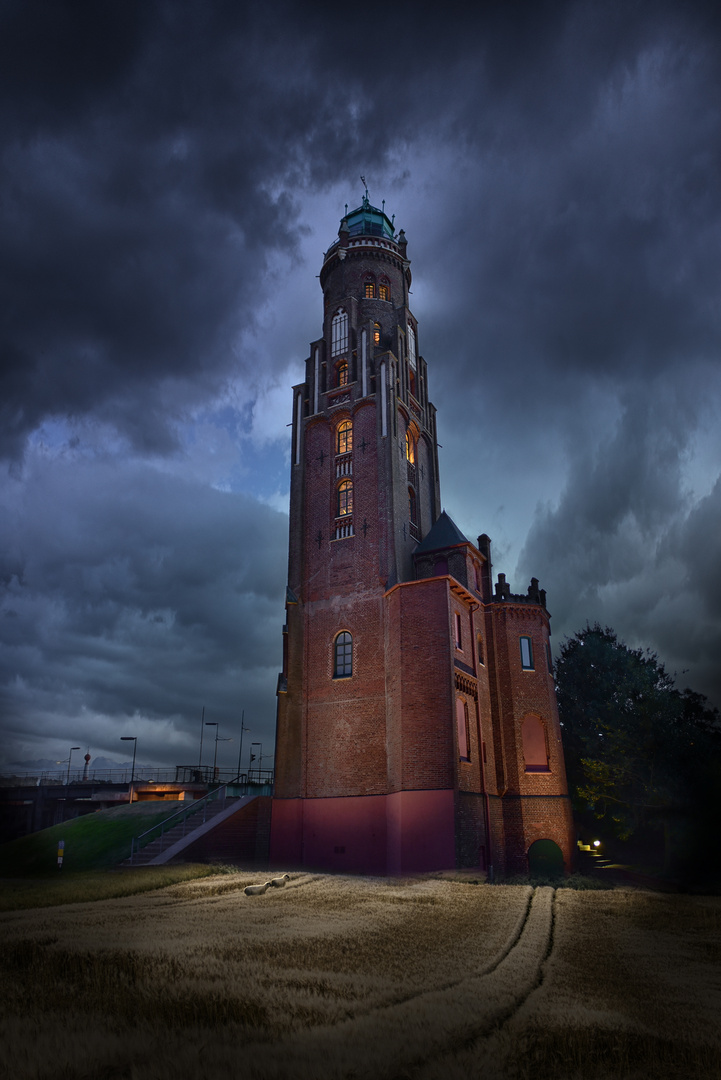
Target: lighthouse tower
x,y
417,725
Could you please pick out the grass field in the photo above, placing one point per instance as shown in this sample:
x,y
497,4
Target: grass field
x,y
336,977
92,841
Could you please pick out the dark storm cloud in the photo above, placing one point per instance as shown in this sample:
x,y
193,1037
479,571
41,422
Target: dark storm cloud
x,y
155,150
132,592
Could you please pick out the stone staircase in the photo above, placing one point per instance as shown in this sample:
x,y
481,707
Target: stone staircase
x,y
186,831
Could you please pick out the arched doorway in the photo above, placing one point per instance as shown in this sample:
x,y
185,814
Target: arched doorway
x,y
545,859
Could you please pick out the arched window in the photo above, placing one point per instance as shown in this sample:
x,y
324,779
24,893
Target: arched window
x,y
343,655
410,447
345,498
369,287
376,333
535,750
342,374
464,752
412,507
339,333
384,289
344,438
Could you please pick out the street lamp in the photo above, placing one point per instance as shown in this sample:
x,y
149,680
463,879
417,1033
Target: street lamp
x,y
134,740
214,723
242,729
252,757
70,758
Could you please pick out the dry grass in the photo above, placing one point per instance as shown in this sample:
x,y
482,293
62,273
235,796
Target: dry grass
x,y
336,977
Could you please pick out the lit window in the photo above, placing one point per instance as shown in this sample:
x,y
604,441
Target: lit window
x,y
343,656
339,333
535,750
384,292
462,729
376,333
345,498
410,447
457,623
344,438
411,346
412,509
369,290
342,378
526,654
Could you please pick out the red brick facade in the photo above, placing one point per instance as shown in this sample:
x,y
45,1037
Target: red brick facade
x,y
417,723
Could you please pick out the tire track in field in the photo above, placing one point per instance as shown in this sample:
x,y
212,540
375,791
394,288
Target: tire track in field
x,y
403,1039
439,1066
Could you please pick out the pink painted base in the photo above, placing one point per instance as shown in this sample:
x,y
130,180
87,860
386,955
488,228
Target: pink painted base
x,y
403,833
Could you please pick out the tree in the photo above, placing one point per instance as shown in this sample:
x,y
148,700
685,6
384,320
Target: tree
x,y
640,754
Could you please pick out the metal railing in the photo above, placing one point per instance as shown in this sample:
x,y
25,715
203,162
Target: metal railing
x,y
180,817
186,774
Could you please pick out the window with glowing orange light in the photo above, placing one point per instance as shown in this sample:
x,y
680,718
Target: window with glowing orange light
x,y
344,438
345,498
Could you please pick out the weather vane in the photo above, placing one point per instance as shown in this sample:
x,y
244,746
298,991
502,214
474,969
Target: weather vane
x,y
363,181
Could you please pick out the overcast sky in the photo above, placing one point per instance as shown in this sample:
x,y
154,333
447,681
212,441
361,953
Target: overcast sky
x,y
171,176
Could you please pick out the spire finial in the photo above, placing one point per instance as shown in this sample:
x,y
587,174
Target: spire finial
x,y
365,197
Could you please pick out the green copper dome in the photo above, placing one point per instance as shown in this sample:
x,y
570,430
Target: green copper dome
x,y
368,220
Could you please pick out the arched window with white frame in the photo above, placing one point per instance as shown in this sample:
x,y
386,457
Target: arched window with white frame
x,y
339,333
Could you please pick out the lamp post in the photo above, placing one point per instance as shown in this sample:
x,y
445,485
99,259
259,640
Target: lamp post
x,y
134,740
70,758
252,758
200,755
242,729
214,723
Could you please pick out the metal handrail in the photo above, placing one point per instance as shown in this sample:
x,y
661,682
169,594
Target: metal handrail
x,y
185,813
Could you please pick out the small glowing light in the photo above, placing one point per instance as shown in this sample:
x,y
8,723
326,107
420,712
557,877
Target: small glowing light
x,y
596,843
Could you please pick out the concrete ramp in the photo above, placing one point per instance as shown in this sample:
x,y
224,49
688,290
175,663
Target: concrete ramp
x,y
240,833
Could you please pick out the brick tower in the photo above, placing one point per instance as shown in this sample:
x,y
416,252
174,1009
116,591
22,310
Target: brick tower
x,y
417,723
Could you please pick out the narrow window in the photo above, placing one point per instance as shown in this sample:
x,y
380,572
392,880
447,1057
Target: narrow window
x,y
549,659
344,438
339,333
345,498
526,654
457,623
410,447
412,508
411,347
376,333
369,289
343,656
384,292
479,640
462,729
535,752
342,377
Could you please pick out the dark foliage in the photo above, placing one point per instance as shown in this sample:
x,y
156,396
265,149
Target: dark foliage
x,y
643,758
